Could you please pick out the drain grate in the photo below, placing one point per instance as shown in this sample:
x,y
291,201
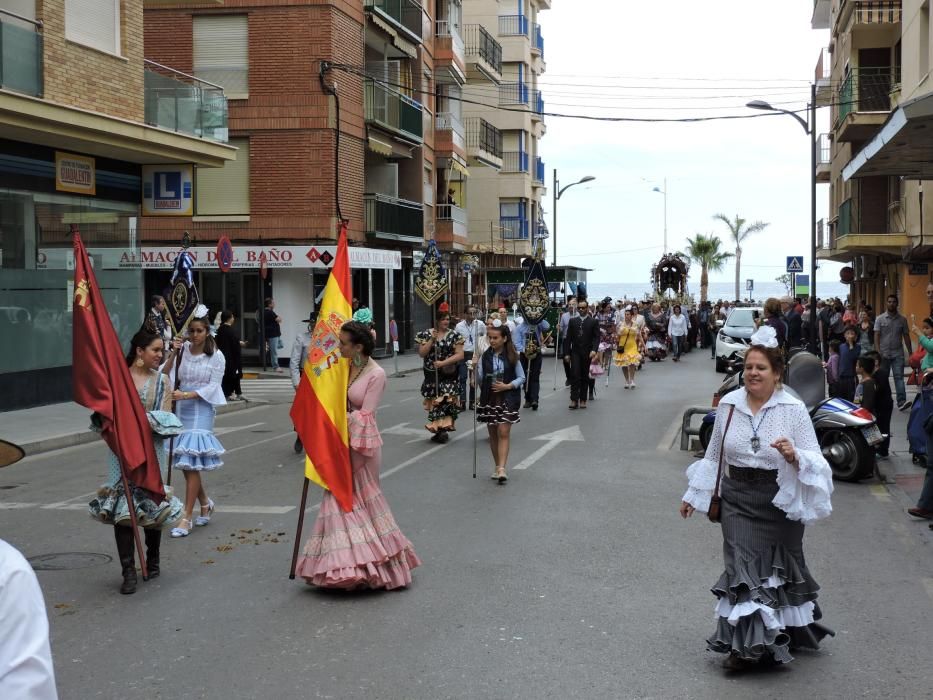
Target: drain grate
x,y
68,561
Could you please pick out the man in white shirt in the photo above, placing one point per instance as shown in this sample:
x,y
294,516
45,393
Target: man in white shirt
x,y
569,313
471,329
677,328
504,317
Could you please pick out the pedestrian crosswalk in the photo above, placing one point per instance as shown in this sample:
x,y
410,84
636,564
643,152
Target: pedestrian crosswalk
x,y
272,390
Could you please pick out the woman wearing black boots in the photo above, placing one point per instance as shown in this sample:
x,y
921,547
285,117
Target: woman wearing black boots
x,y
110,506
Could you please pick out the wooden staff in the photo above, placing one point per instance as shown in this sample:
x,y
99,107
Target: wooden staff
x,y
171,442
133,523
475,403
301,521
557,358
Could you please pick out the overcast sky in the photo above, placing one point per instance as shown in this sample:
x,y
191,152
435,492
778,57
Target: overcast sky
x,y
679,58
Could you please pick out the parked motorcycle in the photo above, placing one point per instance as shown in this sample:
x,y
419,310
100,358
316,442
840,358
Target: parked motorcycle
x,y
846,432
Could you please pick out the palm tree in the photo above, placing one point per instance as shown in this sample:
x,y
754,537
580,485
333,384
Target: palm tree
x,y
740,229
705,251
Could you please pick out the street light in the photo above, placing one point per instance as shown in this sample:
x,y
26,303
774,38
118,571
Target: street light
x,y
664,192
558,191
809,129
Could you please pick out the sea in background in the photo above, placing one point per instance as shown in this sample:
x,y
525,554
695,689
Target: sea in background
x,y
717,290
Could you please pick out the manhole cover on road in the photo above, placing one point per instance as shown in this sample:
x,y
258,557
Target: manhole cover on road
x,y
67,561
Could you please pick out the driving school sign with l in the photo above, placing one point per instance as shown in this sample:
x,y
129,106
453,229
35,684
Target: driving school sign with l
x,y
168,190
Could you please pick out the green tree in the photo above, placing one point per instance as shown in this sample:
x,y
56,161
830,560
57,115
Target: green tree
x,y
740,229
705,250
787,280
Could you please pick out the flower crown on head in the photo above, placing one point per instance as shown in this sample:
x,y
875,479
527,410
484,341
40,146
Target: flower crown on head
x,y
200,311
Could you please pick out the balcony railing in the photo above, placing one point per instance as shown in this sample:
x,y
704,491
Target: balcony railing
x,y
20,55
823,150
404,14
537,41
513,25
484,136
844,222
451,212
868,90
481,44
537,102
445,121
513,228
393,110
539,170
393,218
515,162
446,30
513,94
180,102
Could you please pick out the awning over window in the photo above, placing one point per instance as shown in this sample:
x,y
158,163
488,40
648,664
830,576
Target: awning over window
x,y
903,146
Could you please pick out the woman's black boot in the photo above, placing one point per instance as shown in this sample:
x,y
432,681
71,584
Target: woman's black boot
x,y
125,547
153,540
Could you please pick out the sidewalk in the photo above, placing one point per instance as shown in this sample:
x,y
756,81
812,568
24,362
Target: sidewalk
x,y
56,426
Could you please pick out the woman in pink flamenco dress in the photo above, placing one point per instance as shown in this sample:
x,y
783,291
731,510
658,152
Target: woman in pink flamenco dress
x,y
363,548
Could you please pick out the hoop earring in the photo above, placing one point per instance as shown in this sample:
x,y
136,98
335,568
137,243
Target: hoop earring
x,y
357,360
139,362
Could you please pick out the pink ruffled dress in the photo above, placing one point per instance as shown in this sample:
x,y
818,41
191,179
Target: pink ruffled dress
x,y
364,548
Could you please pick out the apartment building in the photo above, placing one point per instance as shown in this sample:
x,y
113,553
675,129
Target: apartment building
x,y
505,58
83,131
875,77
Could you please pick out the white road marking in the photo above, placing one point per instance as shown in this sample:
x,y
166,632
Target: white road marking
x,y
260,510
670,435
552,440
259,442
234,428
64,504
417,458
401,429
410,398
880,492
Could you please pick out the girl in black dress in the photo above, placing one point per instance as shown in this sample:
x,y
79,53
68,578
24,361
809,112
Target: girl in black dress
x,y
501,377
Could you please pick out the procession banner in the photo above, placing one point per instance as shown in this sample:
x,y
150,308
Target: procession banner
x,y
533,299
183,297
101,380
319,412
431,282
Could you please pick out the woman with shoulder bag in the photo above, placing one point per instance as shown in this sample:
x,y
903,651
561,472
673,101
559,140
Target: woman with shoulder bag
x,y
442,350
765,471
501,377
110,506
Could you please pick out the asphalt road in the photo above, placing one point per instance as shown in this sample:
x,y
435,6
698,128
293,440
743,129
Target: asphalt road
x,y
576,580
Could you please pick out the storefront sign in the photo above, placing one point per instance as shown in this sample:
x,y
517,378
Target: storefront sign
x,y
168,190
243,258
75,173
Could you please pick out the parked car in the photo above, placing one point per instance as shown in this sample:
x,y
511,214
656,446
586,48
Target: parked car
x,y
733,337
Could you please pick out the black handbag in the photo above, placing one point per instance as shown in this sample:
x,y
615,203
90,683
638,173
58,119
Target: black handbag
x,y
715,502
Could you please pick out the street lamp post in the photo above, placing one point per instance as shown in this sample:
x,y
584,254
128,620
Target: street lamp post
x,y
557,192
810,129
664,192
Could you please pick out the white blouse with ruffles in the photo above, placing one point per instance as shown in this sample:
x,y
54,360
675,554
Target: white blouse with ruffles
x,y
202,374
804,492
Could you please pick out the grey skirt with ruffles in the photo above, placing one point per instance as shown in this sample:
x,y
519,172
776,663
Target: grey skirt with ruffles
x,y
759,542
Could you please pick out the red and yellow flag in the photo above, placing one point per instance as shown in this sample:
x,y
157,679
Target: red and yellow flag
x,y
320,409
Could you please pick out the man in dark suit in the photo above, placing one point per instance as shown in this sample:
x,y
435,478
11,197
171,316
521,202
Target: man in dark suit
x,y
580,347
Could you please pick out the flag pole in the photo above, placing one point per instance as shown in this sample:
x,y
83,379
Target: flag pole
x,y
171,441
557,357
301,522
475,406
133,523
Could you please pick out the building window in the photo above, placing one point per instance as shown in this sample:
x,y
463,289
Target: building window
x,y
225,191
221,53
94,23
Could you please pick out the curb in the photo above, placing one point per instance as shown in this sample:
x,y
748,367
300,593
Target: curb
x,y
83,437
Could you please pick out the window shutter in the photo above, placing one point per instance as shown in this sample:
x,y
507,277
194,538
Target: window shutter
x,y
225,191
94,23
221,52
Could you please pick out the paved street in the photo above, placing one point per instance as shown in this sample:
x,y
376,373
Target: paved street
x,y
576,580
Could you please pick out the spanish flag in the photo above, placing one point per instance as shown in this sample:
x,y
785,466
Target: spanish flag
x,y
320,408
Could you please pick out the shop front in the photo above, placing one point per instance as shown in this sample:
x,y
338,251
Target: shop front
x,y
295,276
43,194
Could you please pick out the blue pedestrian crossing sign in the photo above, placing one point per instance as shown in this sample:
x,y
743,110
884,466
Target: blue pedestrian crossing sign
x,y
795,263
